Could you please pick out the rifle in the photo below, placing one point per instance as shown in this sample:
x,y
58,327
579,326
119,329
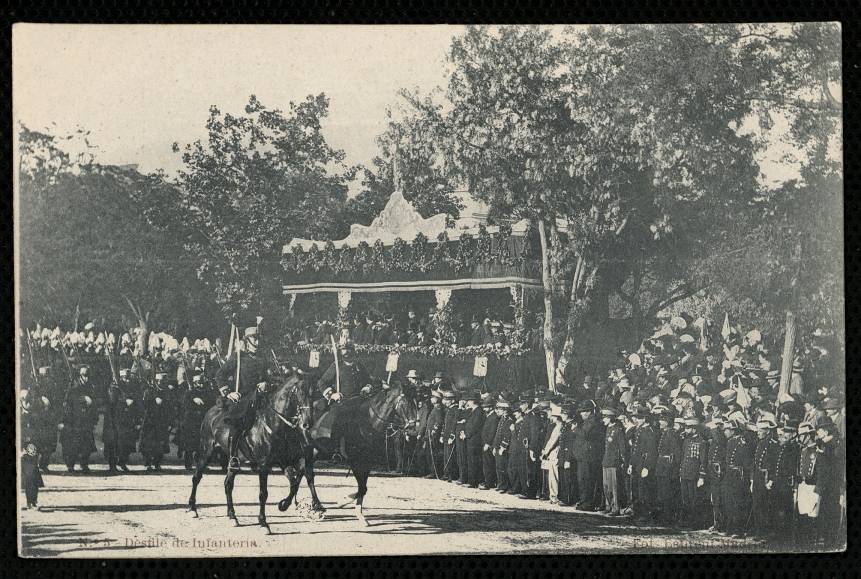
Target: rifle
x,y
114,374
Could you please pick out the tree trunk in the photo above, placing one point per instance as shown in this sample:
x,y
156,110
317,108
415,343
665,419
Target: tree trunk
x,y
547,283
788,355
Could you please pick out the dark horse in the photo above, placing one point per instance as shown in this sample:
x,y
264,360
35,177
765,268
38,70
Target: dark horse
x,y
277,438
368,420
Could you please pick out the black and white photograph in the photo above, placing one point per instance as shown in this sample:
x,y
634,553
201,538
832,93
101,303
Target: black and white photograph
x,y
352,290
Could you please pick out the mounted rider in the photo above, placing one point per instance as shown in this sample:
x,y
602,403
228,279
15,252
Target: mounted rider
x,y
249,371
342,387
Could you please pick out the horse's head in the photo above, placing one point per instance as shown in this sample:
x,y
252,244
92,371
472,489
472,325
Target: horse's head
x,y
292,403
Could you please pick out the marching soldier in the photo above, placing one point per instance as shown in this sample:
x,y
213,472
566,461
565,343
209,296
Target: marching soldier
x,y
667,467
735,484
45,406
195,402
155,427
715,470
113,414
692,471
434,428
80,414
614,460
488,433
644,450
129,417
500,445
764,467
449,435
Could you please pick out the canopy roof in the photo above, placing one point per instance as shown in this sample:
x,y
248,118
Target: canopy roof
x,y
399,219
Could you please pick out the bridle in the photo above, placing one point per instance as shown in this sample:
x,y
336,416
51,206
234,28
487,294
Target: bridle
x,y
384,419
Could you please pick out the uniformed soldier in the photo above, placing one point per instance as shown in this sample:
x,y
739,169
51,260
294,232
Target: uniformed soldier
x,y
764,468
449,435
806,497
501,444
434,428
195,402
715,470
45,407
113,414
644,450
155,425
472,439
251,382
418,464
614,460
129,419
830,479
785,478
339,404
488,434
80,414
692,471
735,484
667,467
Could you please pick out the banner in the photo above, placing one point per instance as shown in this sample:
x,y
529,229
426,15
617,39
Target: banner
x,y
480,367
314,359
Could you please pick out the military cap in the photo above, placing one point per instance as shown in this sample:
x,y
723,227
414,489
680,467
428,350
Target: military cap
x,y
766,420
250,331
503,403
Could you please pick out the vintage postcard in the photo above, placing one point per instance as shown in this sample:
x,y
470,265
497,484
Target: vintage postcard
x,y
409,290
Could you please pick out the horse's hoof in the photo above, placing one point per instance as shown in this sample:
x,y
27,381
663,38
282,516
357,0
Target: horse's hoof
x,y
193,513
283,505
266,529
364,521
236,522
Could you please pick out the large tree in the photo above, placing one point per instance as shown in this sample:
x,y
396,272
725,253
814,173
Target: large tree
x,y
258,180
632,139
86,247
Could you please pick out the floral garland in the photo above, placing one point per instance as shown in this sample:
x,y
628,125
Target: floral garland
x,y
419,256
495,351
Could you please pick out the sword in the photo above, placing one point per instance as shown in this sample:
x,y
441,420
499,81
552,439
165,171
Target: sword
x,y
337,367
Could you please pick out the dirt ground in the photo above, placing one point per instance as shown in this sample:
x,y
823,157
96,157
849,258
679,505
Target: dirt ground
x,y
141,514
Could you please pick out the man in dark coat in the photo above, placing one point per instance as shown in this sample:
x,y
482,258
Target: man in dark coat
x,y
830,480
568,492
692,471
614,459
113,414
488,433
195,402
535,423
472,440
785,478
518,457
460,442
80,414
433,430
588,452
46,404
644,450
449,435
667,467
501,445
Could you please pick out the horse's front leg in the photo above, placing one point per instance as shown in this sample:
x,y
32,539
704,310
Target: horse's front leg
x,y
309,476
361,475
263,477
228,492
202,460
294,475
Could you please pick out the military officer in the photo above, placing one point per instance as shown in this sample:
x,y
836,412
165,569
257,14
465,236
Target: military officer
x,y
715,470
588,452
764,467
644,450
129,417
518,454
113,414
692,470
785,478
155,426
472,439
735,484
